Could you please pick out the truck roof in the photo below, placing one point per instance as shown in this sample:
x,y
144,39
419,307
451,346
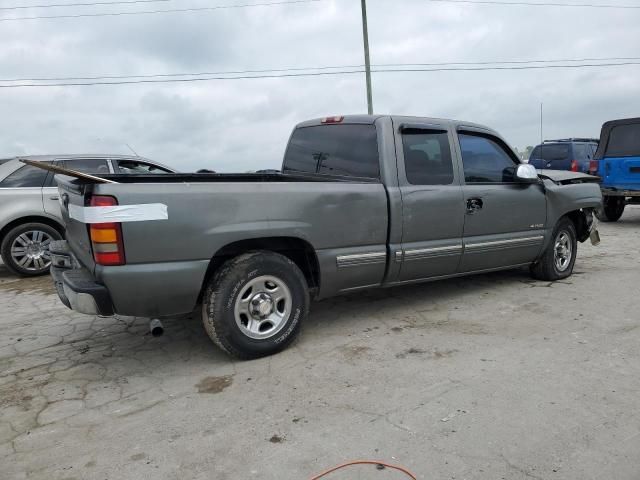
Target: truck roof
x,y
370,119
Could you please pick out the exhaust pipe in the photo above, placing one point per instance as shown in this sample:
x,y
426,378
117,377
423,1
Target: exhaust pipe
x,y
156,328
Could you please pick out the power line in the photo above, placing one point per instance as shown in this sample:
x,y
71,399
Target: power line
x,y
283,2
159,75
307,69
507,62
149,12
536,4
313,74
53,5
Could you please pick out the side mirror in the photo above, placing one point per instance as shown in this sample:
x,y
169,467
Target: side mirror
x,y
526,173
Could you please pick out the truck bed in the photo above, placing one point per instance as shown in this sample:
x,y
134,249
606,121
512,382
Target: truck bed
x,y
335,217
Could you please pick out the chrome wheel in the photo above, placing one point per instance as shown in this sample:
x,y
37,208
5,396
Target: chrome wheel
x,y
30,250
563,251
263,307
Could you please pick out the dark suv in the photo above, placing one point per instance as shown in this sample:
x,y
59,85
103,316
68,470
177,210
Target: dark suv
x,y
572,154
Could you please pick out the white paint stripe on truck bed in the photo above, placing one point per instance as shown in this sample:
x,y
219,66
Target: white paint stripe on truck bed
x,y
119,213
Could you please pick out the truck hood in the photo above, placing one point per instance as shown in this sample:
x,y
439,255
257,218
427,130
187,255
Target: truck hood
x,y
563,177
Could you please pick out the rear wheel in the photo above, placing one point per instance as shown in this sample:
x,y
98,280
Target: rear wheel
x,y
254,304
558,259
612,209
25,248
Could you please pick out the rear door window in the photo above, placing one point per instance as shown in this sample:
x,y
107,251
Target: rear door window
x,y
25,177
624,141
345,150
427,157
134,166
581,151
87,165
485,159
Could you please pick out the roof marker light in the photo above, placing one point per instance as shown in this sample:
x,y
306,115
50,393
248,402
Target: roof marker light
x,y
336,119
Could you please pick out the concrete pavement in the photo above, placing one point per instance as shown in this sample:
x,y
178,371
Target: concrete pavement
x,y
488,377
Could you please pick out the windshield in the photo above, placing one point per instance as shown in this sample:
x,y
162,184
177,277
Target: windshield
x,y
551,152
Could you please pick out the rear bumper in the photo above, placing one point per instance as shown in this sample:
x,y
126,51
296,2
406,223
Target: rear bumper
x,y
612,192
75,285
142,290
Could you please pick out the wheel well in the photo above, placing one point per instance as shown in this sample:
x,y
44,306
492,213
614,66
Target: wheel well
x,y
297,250
31,219
582,224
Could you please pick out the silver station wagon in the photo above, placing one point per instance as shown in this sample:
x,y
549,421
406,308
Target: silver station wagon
x,y
30,215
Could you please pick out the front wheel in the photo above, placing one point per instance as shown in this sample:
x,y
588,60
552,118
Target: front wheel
x,y
558,259
612,209
25,248
254,304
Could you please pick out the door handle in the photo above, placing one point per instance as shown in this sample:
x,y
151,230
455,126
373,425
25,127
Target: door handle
x,y
473,205
55,197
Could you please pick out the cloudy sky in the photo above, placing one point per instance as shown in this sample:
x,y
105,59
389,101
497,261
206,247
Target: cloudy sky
x,y
239,125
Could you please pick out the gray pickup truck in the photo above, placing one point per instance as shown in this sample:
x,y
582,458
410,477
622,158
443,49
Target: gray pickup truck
x,y
361,202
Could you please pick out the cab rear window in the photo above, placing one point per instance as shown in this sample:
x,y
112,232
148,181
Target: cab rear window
x,y
344,150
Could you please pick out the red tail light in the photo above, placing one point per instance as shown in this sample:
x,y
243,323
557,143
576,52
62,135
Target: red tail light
x,y
593,167
106,238
574,165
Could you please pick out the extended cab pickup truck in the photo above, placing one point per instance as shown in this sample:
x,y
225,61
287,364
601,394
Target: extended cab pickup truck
x,y
362,201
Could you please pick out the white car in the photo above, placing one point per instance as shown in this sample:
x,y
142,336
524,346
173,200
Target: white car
x,y
29,208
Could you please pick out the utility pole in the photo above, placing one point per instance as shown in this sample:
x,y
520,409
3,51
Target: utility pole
x,y
367,63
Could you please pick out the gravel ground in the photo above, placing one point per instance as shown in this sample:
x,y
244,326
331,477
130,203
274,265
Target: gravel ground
x,y
488,377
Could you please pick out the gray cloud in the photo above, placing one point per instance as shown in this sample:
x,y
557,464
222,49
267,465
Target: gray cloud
x,y
244,124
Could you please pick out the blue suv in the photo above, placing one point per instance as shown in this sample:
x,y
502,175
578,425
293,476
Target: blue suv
x,y
574,154
617,163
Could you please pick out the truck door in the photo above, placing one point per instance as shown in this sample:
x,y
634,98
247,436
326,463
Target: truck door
x,y
504,221
432,206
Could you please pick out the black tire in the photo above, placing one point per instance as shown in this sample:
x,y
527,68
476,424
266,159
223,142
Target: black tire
x,y
612,209
547,267
33,267
232,284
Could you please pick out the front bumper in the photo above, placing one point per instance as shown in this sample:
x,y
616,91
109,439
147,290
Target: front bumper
x,y
75,285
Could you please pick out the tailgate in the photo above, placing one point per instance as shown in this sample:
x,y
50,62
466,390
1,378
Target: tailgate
x,y
75,192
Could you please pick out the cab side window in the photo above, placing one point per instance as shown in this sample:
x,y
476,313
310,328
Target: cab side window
x,y
25,177
427,157
485,159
